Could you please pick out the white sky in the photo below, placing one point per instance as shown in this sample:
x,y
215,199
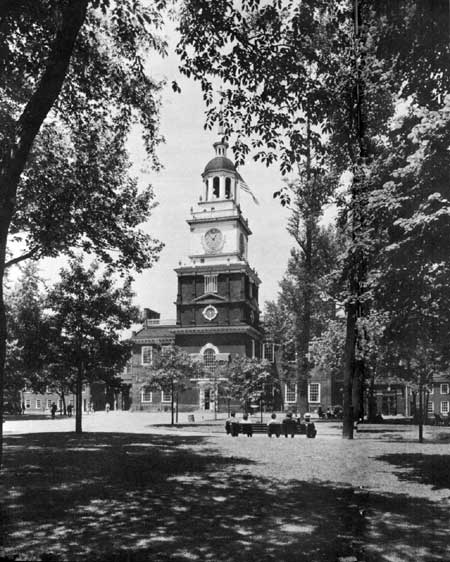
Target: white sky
x,y
178,185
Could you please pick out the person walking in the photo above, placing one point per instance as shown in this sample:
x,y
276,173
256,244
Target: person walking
x,y
69,410
53,410
107,407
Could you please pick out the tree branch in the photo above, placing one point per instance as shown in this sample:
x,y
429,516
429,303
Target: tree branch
x,y
23,257
41,101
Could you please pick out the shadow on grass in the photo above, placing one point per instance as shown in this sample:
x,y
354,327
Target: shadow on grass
x,y
129,497
433,470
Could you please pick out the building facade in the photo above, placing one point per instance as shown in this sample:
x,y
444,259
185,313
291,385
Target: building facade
x,y
217,308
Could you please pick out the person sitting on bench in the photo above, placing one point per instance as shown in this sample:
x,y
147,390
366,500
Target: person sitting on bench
x,y
289,425
246,425
273,426
311,430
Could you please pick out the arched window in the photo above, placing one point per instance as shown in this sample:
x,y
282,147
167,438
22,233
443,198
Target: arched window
x,y
227,188
206,189
216,187
209,357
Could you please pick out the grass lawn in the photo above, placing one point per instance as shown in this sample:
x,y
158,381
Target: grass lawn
x,y
145,497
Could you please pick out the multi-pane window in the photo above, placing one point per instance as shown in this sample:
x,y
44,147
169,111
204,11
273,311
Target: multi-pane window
x,y
209,358
49,404
430,407
146,355
269,352
210,283
291,392
166,396
444,388
146,395
314,392
38,404
444,407
27,403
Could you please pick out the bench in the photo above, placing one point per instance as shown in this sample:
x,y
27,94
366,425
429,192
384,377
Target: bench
x,y
258,427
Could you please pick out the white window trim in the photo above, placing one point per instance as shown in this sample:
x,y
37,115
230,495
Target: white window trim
x,y
38,403
142,397
430,407
142,354
444,411
164,399
286,394
442,388
319,389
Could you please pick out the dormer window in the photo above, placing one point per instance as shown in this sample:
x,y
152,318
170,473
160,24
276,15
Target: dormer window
x,y
210,283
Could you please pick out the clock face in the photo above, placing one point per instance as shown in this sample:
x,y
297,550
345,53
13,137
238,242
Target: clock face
x,y
214,239
210,312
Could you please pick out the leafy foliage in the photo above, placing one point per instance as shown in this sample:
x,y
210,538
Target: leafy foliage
x,y
249,380
88,314
171,369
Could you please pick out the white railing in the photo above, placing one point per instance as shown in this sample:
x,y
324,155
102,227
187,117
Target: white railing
x,y
160,321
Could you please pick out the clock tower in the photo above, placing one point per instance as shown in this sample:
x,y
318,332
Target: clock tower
x,y
217,299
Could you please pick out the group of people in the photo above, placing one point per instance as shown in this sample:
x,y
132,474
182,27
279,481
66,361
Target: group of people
x,y
54,409
289,426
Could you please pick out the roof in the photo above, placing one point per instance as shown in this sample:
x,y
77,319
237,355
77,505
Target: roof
x,y
220,163
441,378
154,334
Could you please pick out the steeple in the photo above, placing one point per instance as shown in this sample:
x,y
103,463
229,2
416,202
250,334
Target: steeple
x,y
221,145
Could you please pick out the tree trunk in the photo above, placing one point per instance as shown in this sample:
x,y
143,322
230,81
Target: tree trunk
x,y
172,409
2,365
371,413
357,265
349,369
305,325
420,410
79,400
63,400
15,150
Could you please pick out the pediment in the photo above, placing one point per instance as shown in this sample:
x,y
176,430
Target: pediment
x,y
210,298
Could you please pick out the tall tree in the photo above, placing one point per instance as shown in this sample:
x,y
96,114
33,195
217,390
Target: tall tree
x,y
410,209
54,67
27,335
89,312
171,371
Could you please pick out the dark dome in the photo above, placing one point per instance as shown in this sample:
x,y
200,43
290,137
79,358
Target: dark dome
x,y
220,163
